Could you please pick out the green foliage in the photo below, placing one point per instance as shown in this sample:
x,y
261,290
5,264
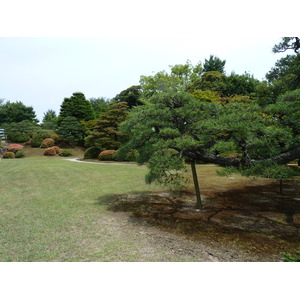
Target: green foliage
x,y
227,171
77,107
46,143
20,132
268,170
240,85
210,81
106,134
165,123
131,96
38,138
107,155
287,43
291,257
180,77
214,64
71,130
65,152
92,152
9,155
99,105
285,76
167,168
20,154
50,120
123,155
15,112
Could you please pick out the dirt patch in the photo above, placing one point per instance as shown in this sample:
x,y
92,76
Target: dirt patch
x,y
252,220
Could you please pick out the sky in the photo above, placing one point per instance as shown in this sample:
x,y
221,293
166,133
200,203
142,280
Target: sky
x,y
41,72
51,49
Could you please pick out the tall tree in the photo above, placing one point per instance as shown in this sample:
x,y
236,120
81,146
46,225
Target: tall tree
x,y
100,105
131,96
214,64
174,127
76,106
50,120
71,130
14,112
106,133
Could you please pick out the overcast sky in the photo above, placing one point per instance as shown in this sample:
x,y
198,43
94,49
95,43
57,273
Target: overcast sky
x,y
103,47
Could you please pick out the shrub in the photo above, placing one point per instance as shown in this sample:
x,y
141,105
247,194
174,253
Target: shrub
x,y
57,149
92,152
38,138
9,155
122,155
48,142
65,152
52,151
107,155
20,154
14,148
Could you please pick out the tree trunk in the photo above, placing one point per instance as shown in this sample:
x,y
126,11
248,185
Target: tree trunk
x,y
280,186
196,184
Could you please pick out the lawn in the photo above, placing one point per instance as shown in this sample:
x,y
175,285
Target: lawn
x,y
50,210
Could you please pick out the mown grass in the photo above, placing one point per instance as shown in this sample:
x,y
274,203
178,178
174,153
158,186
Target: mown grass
x,y
50,210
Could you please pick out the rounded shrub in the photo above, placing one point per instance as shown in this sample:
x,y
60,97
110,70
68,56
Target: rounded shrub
x,y
51,151
107,155
65,152
48,142
14,148
57,149
9,155
20,154
92,152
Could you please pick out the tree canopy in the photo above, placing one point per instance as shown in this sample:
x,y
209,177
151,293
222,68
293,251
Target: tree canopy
x,y
76,106
14,112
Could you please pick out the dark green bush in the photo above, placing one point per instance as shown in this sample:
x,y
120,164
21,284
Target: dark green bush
x,y
126,156
65,152
92,152
20,154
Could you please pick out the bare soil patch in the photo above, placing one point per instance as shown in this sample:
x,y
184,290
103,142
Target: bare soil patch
x,y
242,220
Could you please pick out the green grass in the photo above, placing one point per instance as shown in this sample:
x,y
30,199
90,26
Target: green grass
x,y
50,210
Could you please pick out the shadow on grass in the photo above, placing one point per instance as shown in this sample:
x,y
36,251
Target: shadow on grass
x,y
254,216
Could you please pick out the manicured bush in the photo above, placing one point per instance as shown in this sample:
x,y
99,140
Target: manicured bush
x,y
9,155
52,151
107,155
57,149
65,152
47,143
92,152
14,148
20,154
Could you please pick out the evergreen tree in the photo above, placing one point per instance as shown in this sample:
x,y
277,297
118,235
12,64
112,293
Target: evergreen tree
x,y
106,133
76,106
71,130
